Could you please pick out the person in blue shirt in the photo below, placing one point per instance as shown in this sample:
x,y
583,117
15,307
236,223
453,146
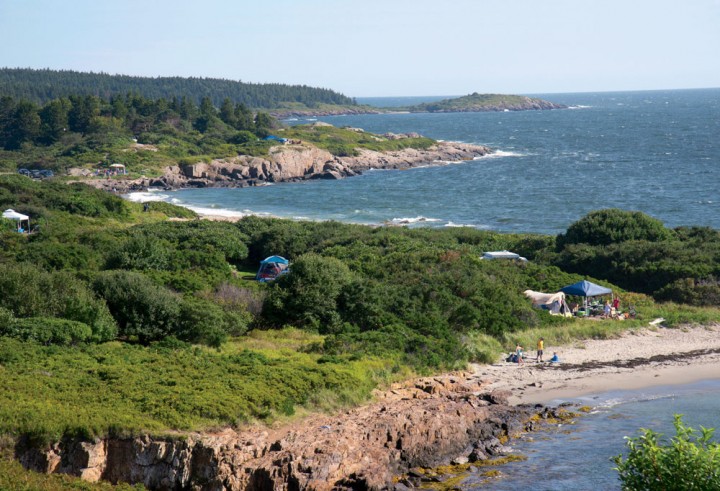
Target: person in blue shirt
x,y
555,358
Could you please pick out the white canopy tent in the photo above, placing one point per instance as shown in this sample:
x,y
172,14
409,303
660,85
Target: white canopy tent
x,y
19,218
119,168
502,255
553,302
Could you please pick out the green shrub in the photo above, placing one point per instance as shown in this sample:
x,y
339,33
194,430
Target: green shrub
x,y
7,319
48,330
202,322
690,461
28,291
308,294
692,292
141,308
140,252
603,227
171,211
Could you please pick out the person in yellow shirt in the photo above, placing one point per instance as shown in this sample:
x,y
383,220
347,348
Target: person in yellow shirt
x,y
540,348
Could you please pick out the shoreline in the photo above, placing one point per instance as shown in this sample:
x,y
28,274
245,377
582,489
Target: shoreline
x,y
289,163
645,358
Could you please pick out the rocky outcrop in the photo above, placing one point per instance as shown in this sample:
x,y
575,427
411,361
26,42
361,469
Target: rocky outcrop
x,y
292,163
425,423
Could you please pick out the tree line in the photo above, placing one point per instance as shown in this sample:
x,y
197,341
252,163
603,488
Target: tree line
x,y
41,86
23,121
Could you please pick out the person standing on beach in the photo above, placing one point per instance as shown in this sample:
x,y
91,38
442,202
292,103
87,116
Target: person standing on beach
x,y
540,348
519,354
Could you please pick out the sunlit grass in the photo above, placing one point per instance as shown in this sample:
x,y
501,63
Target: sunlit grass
x,y
117,388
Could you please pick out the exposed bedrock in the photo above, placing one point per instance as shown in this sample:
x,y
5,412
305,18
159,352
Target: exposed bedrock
x,y
293,163
426,423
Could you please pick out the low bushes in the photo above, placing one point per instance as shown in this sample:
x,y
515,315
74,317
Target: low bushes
x,y
126,389
689,461
47,330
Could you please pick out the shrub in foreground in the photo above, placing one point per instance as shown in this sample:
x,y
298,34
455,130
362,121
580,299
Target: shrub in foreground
x,y
690,461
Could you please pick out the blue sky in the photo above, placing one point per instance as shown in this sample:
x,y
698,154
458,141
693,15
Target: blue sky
x,y
378,47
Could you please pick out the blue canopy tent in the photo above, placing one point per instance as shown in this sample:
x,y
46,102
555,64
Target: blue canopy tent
x,y
272,267
586,289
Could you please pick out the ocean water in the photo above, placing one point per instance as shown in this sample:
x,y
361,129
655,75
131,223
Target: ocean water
x,y
577,457
657,152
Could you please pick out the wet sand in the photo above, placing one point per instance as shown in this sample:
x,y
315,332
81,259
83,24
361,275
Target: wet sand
x,y
637,359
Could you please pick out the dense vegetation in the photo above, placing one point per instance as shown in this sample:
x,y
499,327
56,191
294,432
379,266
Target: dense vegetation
x,y
484,102
42,86
689,461
161,321
638,253
140,133
146,135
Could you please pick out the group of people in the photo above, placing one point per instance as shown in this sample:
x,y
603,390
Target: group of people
x,y
517,357
609,309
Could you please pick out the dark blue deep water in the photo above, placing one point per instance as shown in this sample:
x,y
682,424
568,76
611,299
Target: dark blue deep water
x,y
657,152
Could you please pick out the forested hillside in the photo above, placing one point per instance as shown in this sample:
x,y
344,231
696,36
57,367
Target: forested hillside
x,y
41,86
79,130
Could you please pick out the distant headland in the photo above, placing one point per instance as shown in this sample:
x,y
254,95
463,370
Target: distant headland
x,y
484,102
279,100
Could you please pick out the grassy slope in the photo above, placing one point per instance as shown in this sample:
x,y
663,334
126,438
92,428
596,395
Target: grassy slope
x,y
119,388
342,141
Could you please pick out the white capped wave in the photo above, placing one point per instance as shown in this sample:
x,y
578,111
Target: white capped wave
x,y
458,225
222,212
500,153
579,106
408,221
142,197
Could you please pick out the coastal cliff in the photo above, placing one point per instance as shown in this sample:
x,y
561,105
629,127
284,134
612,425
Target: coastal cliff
x,y
293,163
424,423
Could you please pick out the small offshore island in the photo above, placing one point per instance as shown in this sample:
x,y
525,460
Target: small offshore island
x,y
485,102
137,347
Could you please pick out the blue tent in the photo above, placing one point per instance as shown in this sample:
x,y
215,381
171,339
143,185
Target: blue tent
x,y
585,288
276,138
272,267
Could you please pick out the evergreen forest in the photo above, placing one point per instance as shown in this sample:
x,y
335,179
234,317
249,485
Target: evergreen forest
x,y
41,86
83,130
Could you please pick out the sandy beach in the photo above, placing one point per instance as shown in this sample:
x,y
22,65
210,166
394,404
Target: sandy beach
x,y
638,359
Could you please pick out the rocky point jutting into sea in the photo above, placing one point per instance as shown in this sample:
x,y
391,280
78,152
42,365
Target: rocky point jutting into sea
x,y
424,423
292,162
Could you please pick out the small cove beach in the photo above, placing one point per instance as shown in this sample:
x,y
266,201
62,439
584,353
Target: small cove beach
x,y
637,359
